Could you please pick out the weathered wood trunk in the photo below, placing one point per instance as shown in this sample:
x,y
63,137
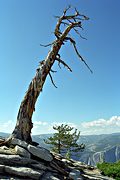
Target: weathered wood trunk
x,y
24,119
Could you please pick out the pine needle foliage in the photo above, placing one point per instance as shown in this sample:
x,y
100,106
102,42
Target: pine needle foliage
x,y
64,141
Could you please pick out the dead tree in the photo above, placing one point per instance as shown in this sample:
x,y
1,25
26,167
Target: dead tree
x,y
65,24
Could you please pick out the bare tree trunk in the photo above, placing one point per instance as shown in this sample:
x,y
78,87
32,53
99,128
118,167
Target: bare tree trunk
x,y
24,119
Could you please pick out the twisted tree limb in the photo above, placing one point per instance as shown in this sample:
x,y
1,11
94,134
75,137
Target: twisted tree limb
x,y
74,45
52,80
64,64
70,22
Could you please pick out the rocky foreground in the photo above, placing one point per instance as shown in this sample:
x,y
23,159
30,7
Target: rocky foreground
x,y
25,161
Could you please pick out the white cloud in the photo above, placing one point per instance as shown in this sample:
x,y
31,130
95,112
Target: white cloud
x,y
101,126
40,123
97,123
113,121
40,127
7,126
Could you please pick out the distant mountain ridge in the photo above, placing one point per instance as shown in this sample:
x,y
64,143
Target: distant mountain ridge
x,y
104,147
3,135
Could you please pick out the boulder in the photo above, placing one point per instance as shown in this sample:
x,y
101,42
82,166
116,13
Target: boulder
x,y
22,152
40,152
15,160
31,162
39,166
5,150
24,172
2,168
78,163
75,174
58,156
66,161
50,176
18,142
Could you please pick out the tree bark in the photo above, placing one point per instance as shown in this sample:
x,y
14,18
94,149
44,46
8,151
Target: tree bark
x,y
24,123
24,119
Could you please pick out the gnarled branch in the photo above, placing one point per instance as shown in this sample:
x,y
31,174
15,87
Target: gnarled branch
x,y
69,19
74,45
50,44
65,65
53,71
52,80
79,34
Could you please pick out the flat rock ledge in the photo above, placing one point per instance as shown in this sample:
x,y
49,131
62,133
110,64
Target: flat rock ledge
x,y
24,161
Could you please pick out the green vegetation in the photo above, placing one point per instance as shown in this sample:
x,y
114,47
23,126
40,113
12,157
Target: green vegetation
x,y
64,141
110,169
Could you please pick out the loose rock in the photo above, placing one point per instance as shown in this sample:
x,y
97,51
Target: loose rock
x,y
40,152
18,142
48,166
24,172
22,152
75,174
5,150
15,160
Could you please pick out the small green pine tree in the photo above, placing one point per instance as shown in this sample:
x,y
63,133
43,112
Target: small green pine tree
x,y
65,140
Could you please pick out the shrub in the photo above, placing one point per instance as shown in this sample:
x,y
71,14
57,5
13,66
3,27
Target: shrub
x,y
110,169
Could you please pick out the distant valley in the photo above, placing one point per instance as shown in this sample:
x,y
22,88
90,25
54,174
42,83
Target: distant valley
x,y
105,147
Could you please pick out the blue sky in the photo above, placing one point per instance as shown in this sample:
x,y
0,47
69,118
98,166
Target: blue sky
x,y
86,101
